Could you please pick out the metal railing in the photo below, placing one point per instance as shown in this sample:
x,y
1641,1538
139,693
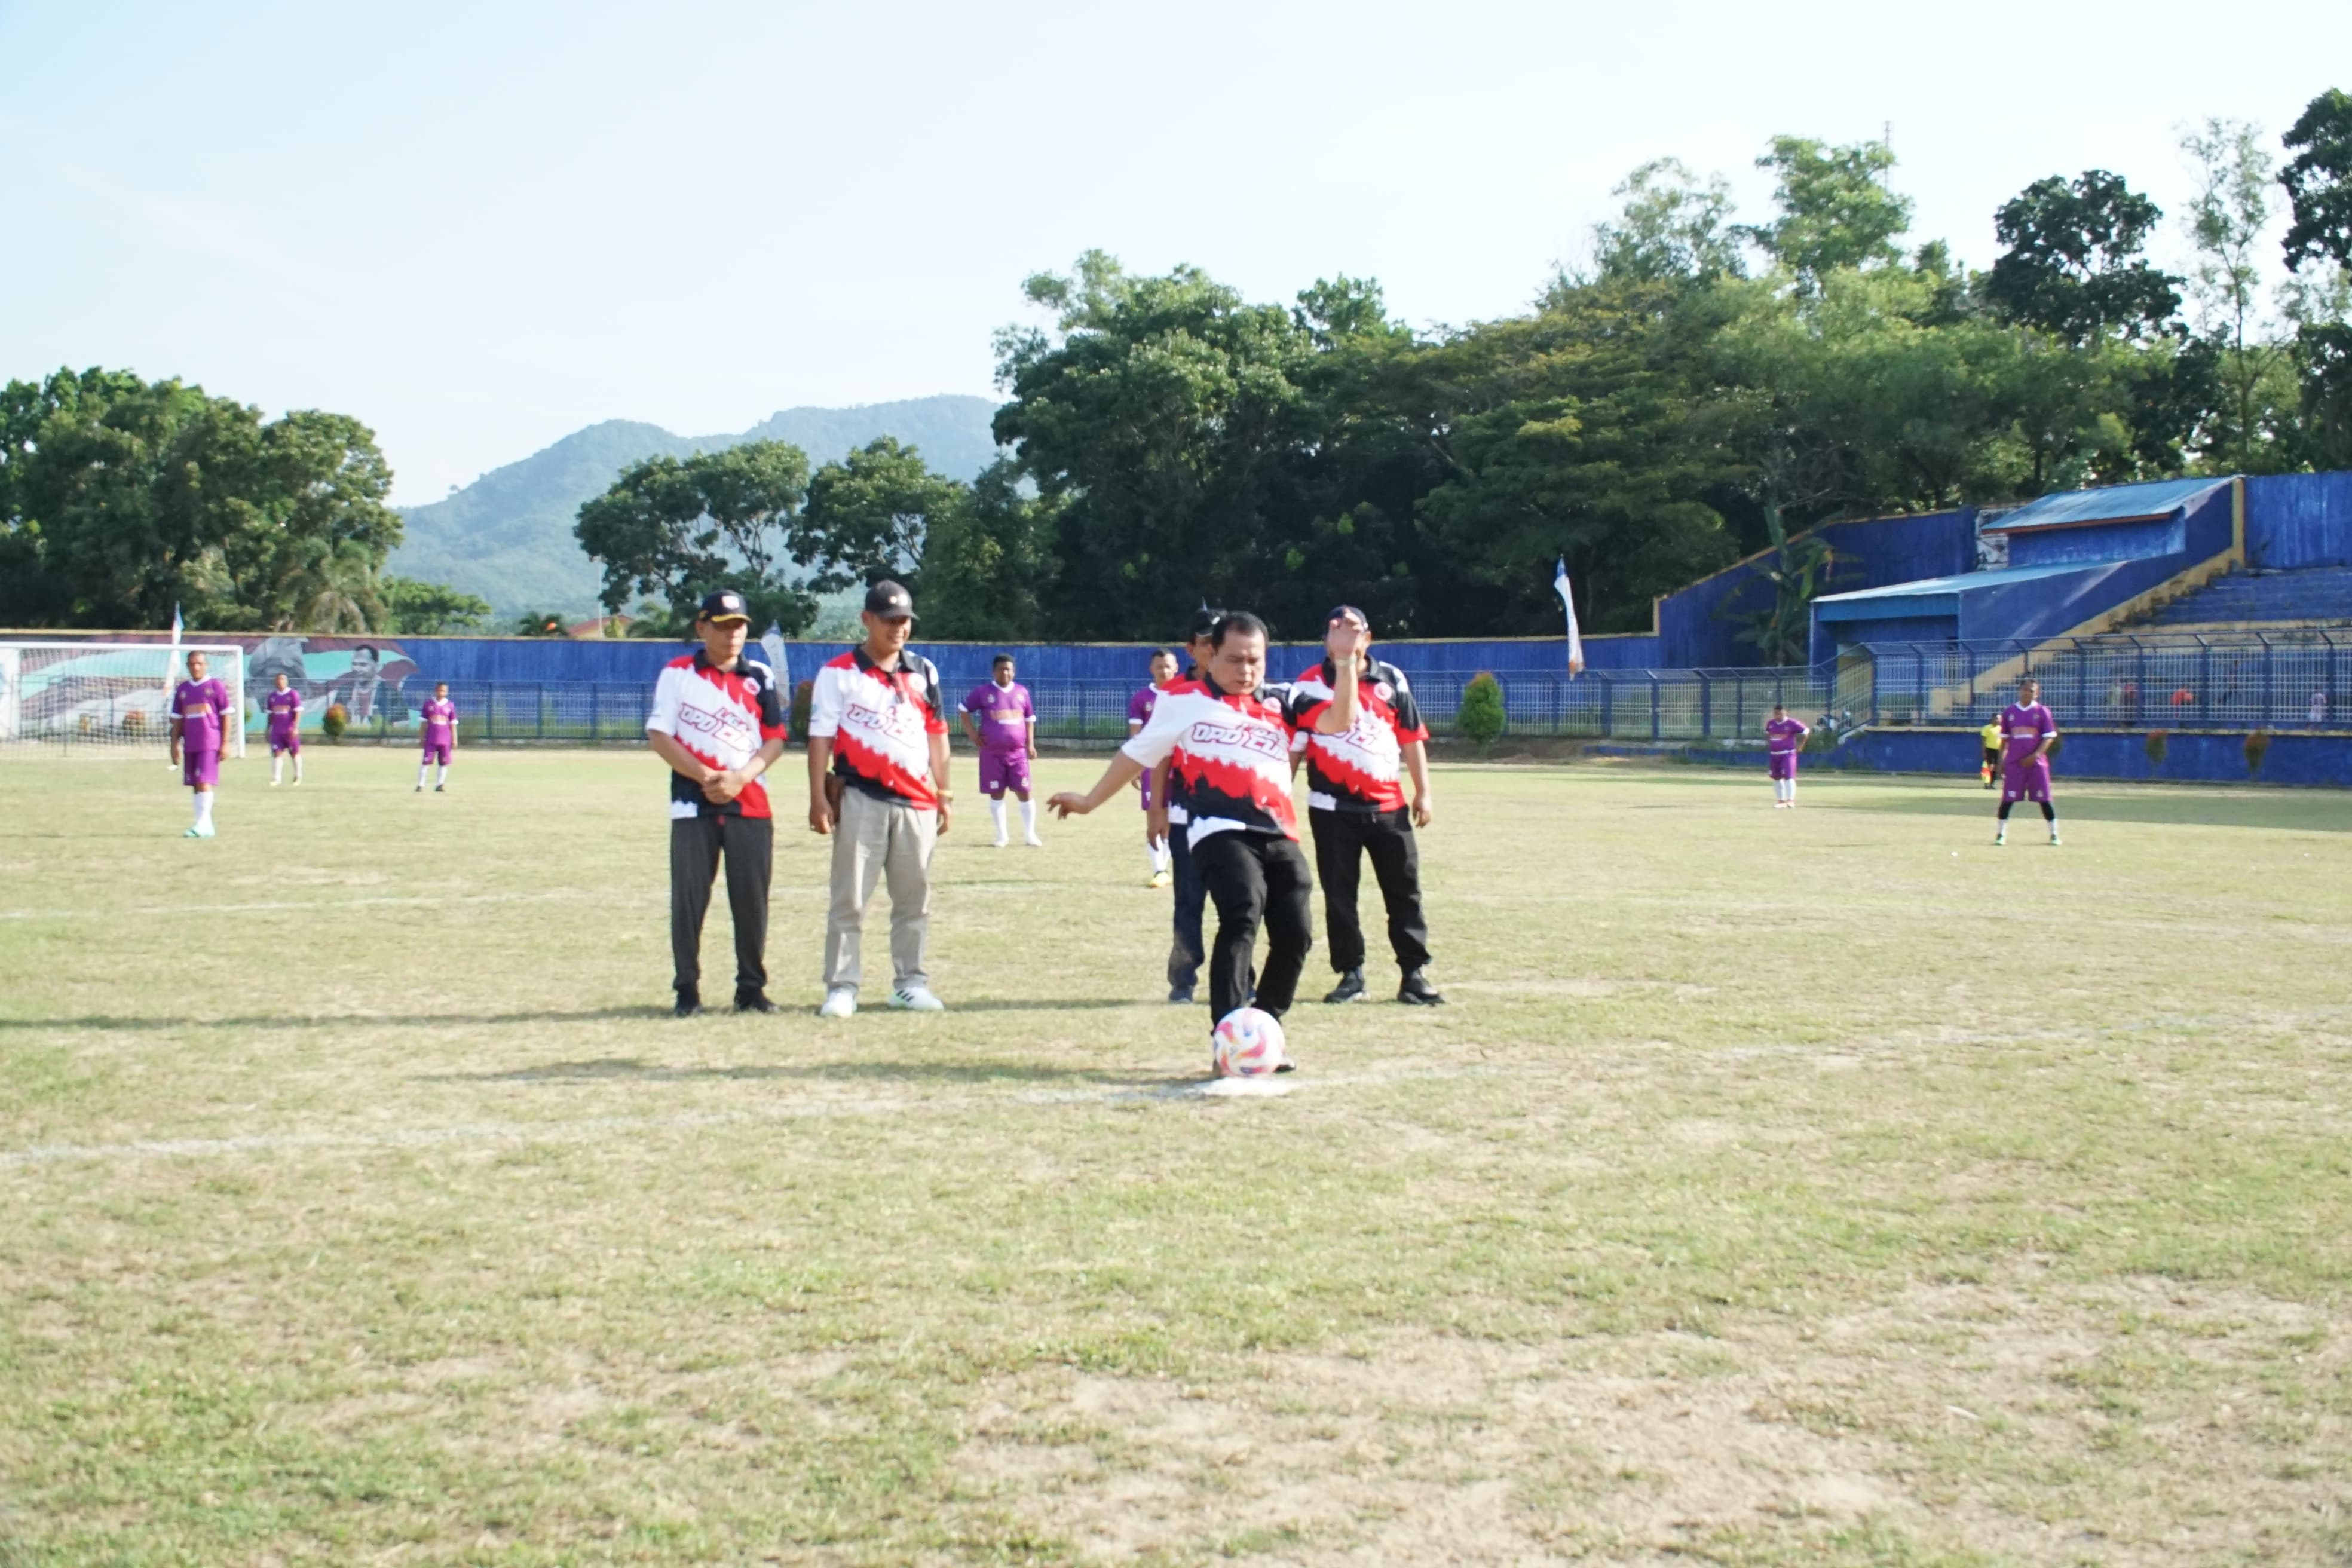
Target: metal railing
x,y
2235,680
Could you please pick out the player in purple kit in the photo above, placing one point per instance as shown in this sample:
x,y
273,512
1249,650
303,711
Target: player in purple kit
x,y
1139,715
200,711
285,706
440,718
1002,721
2027,733
1783,737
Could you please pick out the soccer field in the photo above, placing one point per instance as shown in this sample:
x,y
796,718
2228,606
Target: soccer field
x,y
1821,1187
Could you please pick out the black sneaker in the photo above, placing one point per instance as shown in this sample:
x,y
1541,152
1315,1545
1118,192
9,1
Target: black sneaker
x,y
1181,995
1349,989
1417,992
689,1002
753,1002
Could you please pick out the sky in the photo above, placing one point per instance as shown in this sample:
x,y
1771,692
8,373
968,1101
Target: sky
x,y
480,225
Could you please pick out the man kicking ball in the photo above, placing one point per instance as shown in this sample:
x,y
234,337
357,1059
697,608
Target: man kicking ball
x,y
440,738
200,716
1783,737
2028,733
1002,721
285,706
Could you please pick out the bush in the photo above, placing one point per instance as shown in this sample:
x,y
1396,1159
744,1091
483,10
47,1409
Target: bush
x,y
2157,740
1481,718
335,720
804,697
2258,746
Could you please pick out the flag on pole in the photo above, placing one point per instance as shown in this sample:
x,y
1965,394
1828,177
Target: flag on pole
x,y
170,677
1575,643
176,623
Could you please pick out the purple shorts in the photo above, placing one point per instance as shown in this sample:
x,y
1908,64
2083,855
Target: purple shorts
x,y
1783,765
284,741
199,768
2025,781
1002,771
438,754
1143,787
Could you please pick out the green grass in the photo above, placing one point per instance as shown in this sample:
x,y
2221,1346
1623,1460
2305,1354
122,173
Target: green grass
x,y
1812,1187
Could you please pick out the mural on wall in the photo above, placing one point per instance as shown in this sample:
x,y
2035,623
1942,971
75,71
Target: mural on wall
x,y
368,676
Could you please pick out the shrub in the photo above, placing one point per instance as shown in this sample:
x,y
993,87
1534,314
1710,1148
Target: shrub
x,y
803,698
1481,718
2258,746
2157,740
335,720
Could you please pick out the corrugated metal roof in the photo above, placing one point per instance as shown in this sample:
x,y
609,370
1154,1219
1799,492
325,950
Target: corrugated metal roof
x,y
1967,583
2117,503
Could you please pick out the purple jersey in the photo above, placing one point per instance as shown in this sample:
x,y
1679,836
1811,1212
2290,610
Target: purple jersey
x,y
1139,706
1004,713
440,723
1781,735
201,707
2022,727
285,712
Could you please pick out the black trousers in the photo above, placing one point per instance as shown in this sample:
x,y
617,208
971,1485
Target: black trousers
x,y
1342,838
1185,952
1253,879
695,844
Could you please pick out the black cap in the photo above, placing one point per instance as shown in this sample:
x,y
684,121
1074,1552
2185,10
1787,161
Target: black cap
x,y
890,600
723,604
1347,613
1204,621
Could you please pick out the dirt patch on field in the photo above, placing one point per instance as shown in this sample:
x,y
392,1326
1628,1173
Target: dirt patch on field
x,y
2147,1425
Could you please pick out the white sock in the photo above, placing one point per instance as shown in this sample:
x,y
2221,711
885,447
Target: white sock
x,y
1158,849
422,769
1029,818
297,767
1790,786
278,769
204,808
442,777
996,815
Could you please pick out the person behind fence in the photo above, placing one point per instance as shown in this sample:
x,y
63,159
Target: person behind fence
x,y
717,719
1139,715
2028,731
878,763
1001,721
1783,737
1165,816
1356,805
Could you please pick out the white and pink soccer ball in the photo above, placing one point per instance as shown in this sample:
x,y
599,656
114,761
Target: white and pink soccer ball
x,y
1247,1042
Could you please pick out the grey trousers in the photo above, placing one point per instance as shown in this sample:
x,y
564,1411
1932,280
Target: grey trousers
x,y
875,840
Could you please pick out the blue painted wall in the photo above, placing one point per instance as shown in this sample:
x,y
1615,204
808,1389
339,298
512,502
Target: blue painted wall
x,y
2098,541
2299,520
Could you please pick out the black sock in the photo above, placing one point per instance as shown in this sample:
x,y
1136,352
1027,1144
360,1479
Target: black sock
x,y
2004,809
2049,813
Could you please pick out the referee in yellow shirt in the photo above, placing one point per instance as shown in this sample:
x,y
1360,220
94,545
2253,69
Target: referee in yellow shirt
x,y
1991,737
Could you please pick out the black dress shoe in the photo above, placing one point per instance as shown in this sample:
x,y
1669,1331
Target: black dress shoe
x,y
689,1002
753,1002
1417,992
1349,989
1181,996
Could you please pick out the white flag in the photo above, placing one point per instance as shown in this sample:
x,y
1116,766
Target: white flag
x,y
1575,643
171,678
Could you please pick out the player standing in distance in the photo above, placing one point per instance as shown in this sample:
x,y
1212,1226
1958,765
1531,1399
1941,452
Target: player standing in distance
x,y
1356,806
200,711
1990,737
877,759
1002,721
2027,732
285,707
1165,819
717,719
1228,738
440,731
1139,713
1783,737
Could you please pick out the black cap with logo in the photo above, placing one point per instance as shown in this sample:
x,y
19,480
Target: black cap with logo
x,y
1204,623
723,604
1347,613
890,600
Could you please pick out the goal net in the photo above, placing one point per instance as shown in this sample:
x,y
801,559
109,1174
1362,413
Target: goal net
x,y
109,694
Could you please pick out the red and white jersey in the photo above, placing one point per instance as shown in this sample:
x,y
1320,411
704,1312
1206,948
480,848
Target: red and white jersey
x,y
723,717
1362,770
880,722
1232,753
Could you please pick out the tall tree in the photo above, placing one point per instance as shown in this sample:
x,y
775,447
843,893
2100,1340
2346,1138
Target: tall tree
x,y
988,566
1672,227
1837,211
868,515
2226,220
2072,266
431,609
2318,301
680,528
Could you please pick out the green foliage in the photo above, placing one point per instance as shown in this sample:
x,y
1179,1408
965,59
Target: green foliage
x,y
2318,301
2258,746
987,561
335,720
540,624
1837,211
868,516
2318,180
1481,718
119,499
2156,744
1674,228
681,528
430,609
2071,268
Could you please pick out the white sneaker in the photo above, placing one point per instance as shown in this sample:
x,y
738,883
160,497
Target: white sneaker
x,y
841,1002
916,999
1036,842
1000,844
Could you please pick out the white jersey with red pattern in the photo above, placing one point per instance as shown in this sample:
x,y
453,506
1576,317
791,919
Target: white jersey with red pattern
x,y
1362,770
723,717
1232,752
880,722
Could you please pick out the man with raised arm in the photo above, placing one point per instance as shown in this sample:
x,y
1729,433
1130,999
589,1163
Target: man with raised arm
x,y
878,763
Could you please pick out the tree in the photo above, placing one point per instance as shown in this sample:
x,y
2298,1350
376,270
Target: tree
x,y
868,515
430,609
682,528
2318,180
1837,212
2318,301
1672,229
540,624
2226,220
988,566
2072,265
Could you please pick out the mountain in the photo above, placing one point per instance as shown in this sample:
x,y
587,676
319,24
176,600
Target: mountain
x,y
508,535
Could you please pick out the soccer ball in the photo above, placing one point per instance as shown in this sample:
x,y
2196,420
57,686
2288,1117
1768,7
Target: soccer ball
x,y
1248,1043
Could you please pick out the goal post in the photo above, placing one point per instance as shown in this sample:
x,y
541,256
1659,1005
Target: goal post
x,y
112,695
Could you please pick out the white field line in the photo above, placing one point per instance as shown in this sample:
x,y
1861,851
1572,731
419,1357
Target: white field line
x,y
595,1126
418,899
